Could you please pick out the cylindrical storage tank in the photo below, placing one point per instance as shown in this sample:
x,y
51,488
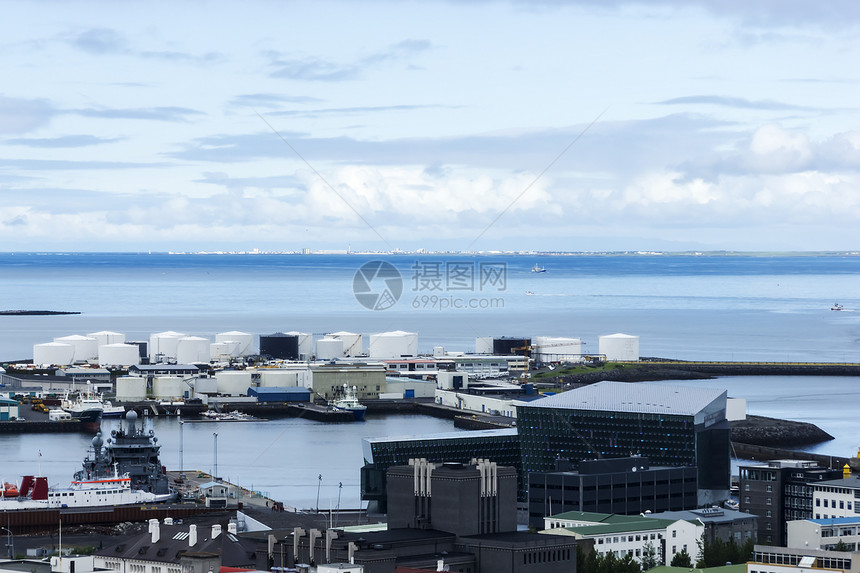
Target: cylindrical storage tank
x,y
276,378
484,345
329,348
280,346
245,341
352,343
507,346
306,344
58,353
130,389
107,337
224,351
393,344
162,346
86,347
558,349
619,347
119,354
233,382
192,349
167,388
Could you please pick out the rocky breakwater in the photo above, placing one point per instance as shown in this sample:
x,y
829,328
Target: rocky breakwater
x,y
763,431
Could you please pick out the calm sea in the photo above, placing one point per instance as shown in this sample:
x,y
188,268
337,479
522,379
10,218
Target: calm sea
x,y
772,308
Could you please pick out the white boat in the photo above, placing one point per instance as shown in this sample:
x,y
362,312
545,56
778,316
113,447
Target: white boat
x,y
111,411
86,406
837,306
349,403
538,269
34,493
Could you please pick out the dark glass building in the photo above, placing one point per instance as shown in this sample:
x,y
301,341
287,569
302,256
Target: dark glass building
x,y
628,486
780,491
673,426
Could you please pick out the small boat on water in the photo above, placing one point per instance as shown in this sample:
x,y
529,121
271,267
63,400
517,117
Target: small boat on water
x,y
538,269
348,402
86,406
111,411
837,306
234,416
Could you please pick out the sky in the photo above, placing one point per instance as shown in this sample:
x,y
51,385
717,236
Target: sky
x,y
545,125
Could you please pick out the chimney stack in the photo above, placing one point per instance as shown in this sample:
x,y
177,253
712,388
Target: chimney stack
x,y
216,530
192,536
154,530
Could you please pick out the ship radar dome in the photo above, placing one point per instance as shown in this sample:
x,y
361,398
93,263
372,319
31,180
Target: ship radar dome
x,y
131,416
97,441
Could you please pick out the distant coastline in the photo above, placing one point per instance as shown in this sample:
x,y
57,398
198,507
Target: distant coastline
x,y
36,312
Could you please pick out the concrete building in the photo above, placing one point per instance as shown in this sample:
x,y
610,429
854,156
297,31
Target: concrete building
x,y
369,379
615,485
671,425
836,497
466,499
720,523
825,534
780,491
768,559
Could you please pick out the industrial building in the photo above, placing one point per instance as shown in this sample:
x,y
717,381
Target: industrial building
x,y
280,346
616,485
671,425
780,491
368,379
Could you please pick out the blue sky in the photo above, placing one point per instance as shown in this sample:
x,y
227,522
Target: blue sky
x,y
554,125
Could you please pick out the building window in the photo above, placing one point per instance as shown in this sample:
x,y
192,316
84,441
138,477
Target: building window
x,y
769,488
817,502
674,534
768,501
825,503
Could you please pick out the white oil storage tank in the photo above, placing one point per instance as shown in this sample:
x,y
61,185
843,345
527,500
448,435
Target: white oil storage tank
x,y
306,344
394,344
130,389
224,351
58,353
557,349
168,388
484,345
119,354
86,347
245,341
107,337
162,346
619,347
352,344
329,348
192,349
233,382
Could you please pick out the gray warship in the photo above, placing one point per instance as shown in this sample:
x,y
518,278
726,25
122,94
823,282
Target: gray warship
x,y
129,450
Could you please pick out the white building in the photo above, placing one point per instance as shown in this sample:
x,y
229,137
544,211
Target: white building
x,y
836,498
825,533
771,559
628,534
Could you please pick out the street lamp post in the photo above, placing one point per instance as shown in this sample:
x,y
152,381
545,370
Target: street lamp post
x,y
181,425
10,543
215,434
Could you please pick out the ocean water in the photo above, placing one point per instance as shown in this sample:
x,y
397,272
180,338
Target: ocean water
x,y
770,308
774,308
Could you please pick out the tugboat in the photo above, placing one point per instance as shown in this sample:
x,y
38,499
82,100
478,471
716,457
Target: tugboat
x,y
349,403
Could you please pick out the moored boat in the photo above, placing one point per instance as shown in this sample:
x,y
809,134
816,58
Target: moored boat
x,y
349,402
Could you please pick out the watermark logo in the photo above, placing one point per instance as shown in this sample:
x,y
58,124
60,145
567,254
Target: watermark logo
x,y
377,285
436,285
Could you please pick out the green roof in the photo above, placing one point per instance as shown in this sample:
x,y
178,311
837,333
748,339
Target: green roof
x,y
640,524
595,517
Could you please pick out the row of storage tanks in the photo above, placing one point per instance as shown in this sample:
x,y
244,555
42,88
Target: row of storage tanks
x,y
615,347
225,383
112,349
